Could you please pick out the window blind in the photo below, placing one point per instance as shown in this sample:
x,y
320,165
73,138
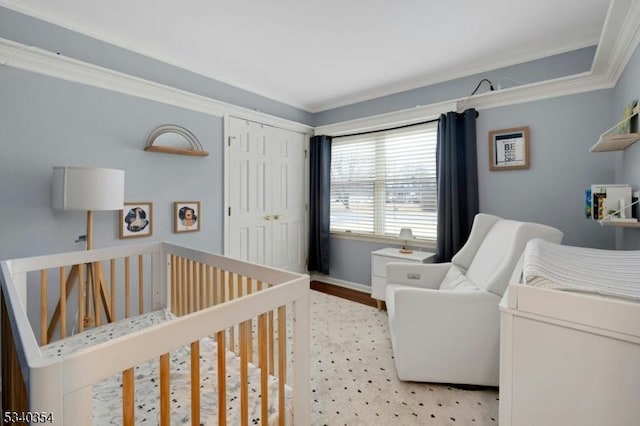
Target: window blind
x,y
384,181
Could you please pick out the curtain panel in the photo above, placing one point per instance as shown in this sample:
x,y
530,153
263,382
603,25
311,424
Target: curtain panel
x,y
319,212
457,171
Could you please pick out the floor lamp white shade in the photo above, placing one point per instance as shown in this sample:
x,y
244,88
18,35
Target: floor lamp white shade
x,y
87,188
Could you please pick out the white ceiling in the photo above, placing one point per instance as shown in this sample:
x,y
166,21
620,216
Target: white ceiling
x,y
317,55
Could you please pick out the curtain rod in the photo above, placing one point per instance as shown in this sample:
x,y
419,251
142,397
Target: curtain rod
x,y
384,130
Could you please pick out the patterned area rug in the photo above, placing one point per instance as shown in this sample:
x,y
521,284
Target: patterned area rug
x,y
354,381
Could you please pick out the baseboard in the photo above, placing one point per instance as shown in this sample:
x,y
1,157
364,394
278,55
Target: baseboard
x,y
341,283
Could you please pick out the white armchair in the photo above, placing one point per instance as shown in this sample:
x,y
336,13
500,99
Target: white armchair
x,y
443,318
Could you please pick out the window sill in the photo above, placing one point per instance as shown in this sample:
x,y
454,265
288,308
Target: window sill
x,y
386,240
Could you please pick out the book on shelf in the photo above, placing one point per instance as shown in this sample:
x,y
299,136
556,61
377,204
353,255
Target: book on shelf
x,y
612,198
598,205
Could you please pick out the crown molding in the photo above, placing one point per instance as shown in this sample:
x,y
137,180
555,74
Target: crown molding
x,y
627,40
442,77
382,121
619,40
563,86
61,21
40,61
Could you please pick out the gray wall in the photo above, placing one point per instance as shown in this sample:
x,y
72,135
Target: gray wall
x,y
628,161
46,122
551,191
561,65
34,32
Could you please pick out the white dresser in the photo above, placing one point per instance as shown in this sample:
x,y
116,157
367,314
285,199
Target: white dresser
x,y
568,358
379,260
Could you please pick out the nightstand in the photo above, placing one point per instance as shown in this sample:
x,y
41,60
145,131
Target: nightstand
x,y
379,260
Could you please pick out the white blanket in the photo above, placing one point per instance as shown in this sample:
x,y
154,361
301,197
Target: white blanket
x,y
605,272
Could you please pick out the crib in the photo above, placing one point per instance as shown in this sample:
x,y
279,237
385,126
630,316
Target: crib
x,y
214,340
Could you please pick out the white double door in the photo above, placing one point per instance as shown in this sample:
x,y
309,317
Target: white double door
x,y
266,195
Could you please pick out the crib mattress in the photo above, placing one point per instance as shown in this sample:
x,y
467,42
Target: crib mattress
x,y
107,401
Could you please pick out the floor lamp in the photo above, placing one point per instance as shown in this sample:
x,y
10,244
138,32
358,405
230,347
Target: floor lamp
x,y
87,189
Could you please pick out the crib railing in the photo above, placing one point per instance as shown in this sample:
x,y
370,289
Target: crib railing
x,y
244,306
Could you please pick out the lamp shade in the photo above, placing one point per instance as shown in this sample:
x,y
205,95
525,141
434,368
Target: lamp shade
x,y
406,234
87,188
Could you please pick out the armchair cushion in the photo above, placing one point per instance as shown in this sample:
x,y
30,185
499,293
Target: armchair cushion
x,y
456,280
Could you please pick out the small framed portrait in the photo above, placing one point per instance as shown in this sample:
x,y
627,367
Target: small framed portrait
x,y
136,220
186,216
509,149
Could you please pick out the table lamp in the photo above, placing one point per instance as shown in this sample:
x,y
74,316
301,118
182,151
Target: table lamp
x,y
405,234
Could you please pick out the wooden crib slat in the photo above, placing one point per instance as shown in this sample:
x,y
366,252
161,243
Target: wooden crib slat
x,y
127,285
218,294
208,285
43,307
232,330
249,282
271,343
112,278
195,383
165,389
106,299
222,378
189,285
63,303
282,362
264,373
81,297
178,304
95,290
128,397
223,286
172,262
183,286
73,276
244,373
140,284
201,281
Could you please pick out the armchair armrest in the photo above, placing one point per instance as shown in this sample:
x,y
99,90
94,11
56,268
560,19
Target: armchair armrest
x,y
417,275
449,336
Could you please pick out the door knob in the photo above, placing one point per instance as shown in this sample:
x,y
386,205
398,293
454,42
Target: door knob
x,y
276,216
268,217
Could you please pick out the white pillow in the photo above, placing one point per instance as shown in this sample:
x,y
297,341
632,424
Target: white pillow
x,y
456,280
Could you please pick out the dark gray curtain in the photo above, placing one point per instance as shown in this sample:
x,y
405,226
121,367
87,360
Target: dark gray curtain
x,y
457,170
319,180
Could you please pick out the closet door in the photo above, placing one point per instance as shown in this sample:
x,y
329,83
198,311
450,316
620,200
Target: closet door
x,y
288,200
266,195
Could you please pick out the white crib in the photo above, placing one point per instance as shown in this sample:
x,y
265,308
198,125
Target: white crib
x,y
246,318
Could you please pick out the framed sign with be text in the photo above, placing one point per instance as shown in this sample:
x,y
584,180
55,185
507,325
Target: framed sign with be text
x,y
509,149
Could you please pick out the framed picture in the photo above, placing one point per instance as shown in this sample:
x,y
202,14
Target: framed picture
x,y
136,220
509,149
186,216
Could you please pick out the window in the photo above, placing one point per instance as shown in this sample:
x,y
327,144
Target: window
x,y
384,181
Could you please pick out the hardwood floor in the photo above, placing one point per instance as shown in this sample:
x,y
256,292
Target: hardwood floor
x,y
343,292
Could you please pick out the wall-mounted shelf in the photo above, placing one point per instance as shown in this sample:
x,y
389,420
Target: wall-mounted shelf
x,y
612,140
195,147
180,151
615,142
623,224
